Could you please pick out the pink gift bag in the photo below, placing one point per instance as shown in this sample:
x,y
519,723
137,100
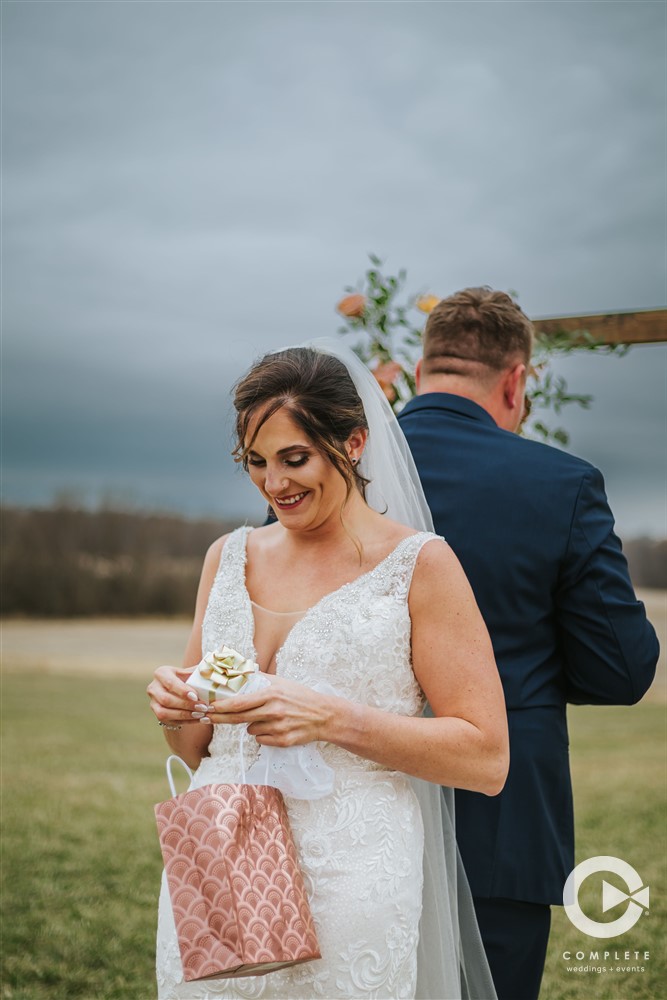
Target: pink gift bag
x,y
239,902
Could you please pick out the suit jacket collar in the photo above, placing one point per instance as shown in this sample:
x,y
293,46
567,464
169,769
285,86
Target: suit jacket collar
x,y
448,401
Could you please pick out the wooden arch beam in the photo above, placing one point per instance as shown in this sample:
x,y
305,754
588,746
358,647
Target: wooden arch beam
x,y
645,326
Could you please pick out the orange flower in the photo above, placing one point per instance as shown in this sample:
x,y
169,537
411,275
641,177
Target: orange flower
x,y
352,305
386,374
427,303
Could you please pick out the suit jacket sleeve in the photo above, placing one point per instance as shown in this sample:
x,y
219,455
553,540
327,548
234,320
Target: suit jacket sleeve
x,y
610,647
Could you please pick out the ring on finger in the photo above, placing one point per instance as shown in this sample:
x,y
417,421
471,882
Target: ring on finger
x,y
166,725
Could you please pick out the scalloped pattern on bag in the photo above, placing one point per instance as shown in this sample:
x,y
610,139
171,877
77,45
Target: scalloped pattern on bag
x,y
237,894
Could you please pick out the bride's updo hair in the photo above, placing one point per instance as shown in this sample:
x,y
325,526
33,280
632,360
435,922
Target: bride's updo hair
x,y
320,396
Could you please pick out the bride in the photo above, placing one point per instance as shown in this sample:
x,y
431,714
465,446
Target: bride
x,y
343,593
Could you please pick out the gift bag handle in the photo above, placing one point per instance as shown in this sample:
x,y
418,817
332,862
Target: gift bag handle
x,y
173,756
244,733
242,736
170,777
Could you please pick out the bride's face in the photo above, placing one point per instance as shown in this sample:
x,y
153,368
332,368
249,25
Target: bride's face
x,y
299,482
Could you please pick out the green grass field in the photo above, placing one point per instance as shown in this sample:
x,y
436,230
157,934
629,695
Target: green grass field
x,y
83,765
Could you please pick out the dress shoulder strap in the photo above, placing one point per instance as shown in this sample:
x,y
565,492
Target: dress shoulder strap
x,y
231,567
404,560
227,617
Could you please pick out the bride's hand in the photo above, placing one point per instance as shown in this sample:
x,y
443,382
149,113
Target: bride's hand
x,y
172,701
283,714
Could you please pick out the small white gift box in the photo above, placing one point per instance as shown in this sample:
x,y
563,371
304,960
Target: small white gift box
x,y
221,674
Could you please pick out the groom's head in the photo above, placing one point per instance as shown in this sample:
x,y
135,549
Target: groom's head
x,y
478,344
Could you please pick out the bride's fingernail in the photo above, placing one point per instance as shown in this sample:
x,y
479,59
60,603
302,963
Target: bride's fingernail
x,y
197,715
192,696
206,721
202,708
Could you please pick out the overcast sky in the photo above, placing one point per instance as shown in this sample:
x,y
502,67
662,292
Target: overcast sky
x,y
186,185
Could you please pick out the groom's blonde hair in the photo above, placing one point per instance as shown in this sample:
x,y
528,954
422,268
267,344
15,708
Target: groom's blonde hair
x,y
475,329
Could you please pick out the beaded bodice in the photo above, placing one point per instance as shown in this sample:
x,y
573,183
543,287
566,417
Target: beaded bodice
x,y
356,639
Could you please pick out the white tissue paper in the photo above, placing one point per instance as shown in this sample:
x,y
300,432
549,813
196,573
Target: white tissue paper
x,y
300,772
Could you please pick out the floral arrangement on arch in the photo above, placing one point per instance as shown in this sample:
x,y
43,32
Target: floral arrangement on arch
x,y
390,322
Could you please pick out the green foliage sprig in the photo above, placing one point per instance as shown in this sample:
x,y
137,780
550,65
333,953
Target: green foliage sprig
x,y
382,313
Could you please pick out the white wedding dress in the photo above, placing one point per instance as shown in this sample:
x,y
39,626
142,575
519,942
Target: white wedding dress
x,y
360,848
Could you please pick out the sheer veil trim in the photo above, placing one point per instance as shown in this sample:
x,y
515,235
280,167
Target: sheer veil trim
x,y
451,961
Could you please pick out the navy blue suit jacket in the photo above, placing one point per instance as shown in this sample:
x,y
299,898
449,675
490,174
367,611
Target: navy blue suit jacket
x,y
533,530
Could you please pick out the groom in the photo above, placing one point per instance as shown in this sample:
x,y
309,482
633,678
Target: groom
x,y
534,532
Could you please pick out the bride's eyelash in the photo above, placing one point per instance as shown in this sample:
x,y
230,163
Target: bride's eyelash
x,y
292,463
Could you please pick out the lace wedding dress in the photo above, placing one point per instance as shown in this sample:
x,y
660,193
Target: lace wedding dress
x,y
361,847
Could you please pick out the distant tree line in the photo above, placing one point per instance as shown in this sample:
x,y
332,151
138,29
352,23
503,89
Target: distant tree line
x,y
647,559
63,561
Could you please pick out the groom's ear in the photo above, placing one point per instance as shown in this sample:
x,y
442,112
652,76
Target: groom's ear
x,y
513,386
418,374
